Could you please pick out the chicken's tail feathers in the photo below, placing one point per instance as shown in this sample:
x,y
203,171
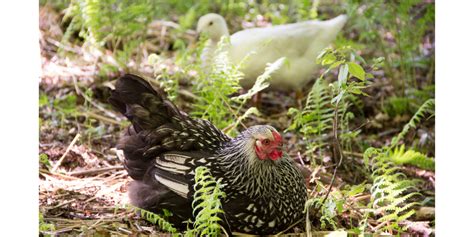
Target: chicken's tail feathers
x,y
129,90
148,110
144,106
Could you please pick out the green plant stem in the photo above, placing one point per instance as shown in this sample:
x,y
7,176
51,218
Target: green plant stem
x,y
337,150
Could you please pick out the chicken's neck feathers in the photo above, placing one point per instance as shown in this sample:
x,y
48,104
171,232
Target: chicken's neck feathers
x,y
257,178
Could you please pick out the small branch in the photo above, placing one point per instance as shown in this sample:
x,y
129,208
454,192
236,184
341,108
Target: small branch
x,y
61,204
356,154
65,153
363,197
94,171
291,226
188,94
46,173
300,159
380,225
102,118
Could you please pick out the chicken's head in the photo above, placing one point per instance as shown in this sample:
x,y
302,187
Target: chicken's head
x,y
268,143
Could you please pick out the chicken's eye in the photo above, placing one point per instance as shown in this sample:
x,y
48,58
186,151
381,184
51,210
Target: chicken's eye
x,y
266,142
210,23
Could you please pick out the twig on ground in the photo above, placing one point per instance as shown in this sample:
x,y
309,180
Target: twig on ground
x,y
63,46
61,204
95,171
188,94
125,230
300,159
291,226
362,197
100,117
53,170
95,223
46,174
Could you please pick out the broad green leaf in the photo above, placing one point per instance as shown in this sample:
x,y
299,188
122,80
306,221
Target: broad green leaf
x,y
335,64
356,70
328,59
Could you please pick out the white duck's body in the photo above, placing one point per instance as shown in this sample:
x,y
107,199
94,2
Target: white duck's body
x,y
300,43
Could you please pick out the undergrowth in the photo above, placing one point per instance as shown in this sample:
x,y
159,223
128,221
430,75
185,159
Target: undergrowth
x,y
392,192
328,103
315,120
116,25
398,30
326,111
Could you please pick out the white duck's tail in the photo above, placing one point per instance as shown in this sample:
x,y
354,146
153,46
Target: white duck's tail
x,y
333,26
326,33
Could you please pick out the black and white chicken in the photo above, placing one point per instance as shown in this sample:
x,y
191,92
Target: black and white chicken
x,y
265,191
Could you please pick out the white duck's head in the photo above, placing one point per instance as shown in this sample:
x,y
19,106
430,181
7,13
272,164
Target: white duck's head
x,y
213,25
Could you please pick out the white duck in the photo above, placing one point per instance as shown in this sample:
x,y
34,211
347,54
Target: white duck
x,y
299,42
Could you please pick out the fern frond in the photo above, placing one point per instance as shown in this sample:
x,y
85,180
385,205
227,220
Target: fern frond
x,y
214,88
390,191
154,218
400,156
248,113
92,15
425,109
328,210
315,120
262,81
207,204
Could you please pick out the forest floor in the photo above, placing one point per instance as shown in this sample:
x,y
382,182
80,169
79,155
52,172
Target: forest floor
x,y
82,181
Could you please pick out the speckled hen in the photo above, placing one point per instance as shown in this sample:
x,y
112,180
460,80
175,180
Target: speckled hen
x,y
265,191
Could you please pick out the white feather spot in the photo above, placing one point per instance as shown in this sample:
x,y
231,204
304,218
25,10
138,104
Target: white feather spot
x,y
271,224
260,223
179,188
180,159
239,215
177,167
